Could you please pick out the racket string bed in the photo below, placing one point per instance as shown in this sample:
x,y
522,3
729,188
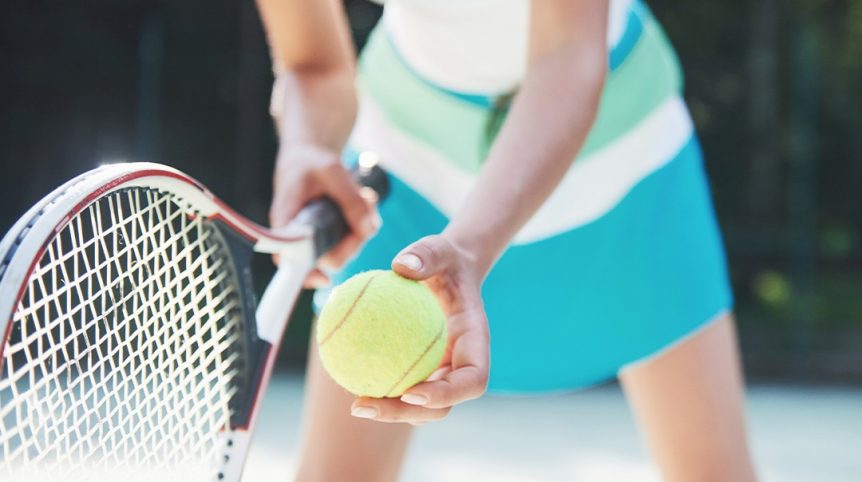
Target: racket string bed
x,y
125,349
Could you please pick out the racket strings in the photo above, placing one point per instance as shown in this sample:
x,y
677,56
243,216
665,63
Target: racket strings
x,y
125,347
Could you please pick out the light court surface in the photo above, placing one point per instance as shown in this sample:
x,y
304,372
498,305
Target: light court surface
x,y
798,435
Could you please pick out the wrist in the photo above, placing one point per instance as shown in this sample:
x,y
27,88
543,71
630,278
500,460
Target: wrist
x,y
476,253
308,154
317,106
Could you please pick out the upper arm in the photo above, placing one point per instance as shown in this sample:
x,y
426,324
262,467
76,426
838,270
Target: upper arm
x,y
307,34
568,26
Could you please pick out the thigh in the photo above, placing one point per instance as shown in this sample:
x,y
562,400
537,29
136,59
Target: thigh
x,y
338,446
689,403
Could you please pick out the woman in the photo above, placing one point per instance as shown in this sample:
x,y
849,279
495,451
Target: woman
x,y
547,140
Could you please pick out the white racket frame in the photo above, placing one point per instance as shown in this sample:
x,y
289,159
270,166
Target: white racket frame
x,y
294,245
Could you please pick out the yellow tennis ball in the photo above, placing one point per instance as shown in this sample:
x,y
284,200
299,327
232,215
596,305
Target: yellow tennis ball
x,y
379,334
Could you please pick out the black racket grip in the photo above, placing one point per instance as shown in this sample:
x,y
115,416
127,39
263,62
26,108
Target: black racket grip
x,y
329,224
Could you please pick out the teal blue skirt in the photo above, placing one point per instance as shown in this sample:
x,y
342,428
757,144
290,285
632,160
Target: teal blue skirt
x,y
570,311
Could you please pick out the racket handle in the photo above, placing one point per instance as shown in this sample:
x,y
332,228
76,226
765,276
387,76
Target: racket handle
x,y
329,224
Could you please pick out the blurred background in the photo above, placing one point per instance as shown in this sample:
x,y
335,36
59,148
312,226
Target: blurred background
x,y
773,85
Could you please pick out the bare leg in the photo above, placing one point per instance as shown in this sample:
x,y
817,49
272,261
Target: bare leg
x,y
689,404
338,446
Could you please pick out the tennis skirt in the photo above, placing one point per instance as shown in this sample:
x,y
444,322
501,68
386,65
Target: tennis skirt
x,y
622,261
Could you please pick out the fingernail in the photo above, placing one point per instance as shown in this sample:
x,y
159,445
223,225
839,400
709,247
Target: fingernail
x,y
438,374
368,227
414,399
369,194
364,412
410,260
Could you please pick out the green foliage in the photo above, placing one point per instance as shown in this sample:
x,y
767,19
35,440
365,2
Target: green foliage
x,y
774,88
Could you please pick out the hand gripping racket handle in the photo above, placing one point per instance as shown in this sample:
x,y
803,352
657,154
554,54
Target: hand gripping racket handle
x,y
329,227
329,224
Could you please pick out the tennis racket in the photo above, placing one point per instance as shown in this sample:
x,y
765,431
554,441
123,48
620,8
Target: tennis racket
x,y
132,346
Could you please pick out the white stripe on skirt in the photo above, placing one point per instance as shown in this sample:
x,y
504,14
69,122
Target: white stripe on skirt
x,y
588,190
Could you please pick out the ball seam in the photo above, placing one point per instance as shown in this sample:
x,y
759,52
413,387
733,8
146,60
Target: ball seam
x,y
346,316
416,362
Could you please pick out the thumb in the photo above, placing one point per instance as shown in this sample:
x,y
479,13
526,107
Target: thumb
x,y
424,258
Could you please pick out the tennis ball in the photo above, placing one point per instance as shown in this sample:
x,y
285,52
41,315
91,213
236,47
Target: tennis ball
x,y
379,334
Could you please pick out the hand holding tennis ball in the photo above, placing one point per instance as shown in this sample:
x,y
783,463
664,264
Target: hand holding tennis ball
x,y
379,334
454,278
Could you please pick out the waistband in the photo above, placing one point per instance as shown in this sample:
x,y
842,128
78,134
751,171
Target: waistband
x,y
638,16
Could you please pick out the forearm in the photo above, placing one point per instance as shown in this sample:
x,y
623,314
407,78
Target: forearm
x,y
314,100
546,126
316,108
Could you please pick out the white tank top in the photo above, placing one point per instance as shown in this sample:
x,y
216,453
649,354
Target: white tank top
x,y
472,46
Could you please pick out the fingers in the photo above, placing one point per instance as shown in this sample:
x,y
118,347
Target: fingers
x,y
424,258
459,386
467,380
358,211
426,402
392,410
284,207
439,373
316,279
292,188
435,261
336,257
308,174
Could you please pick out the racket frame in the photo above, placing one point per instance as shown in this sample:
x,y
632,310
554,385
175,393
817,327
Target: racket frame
x,y
25,243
